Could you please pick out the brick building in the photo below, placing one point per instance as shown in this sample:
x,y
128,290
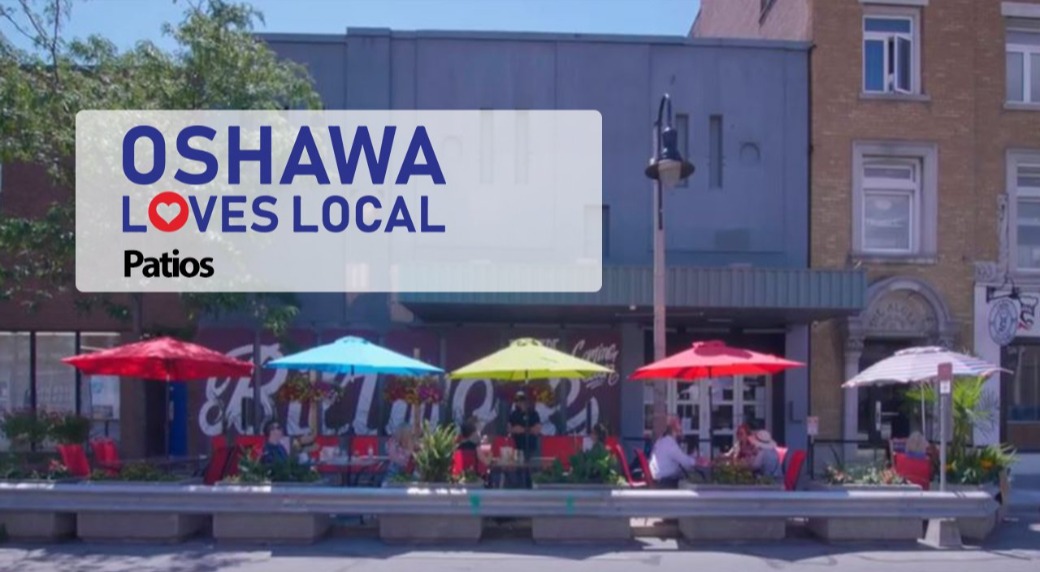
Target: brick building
x,y
923,123
32,343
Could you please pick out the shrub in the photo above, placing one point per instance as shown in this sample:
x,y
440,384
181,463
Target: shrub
x,y
253,471
136,472
593,467
25,428
69,428
865,475
978,465
435,454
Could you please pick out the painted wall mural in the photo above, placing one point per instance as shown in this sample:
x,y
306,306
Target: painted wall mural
x,y
224,405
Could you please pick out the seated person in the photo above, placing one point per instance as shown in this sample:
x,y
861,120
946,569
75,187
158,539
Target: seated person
x,y
917,446
275,448
470,441
743,450
767,459
668,463
400,449
599,435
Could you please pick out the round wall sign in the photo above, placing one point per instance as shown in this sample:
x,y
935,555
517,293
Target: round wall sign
x,y
1003,321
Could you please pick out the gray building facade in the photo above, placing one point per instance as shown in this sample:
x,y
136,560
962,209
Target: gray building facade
x,y
737,231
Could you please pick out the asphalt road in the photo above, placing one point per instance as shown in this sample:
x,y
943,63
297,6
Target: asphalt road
x,y
1016,546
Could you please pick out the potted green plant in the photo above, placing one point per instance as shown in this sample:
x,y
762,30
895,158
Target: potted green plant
x,y
278,527
969,468
878,477
69,428
593,470
726,475
139,526
434,460
25,429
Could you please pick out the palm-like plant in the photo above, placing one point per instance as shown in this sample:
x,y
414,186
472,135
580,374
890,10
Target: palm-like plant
x,y
436,453
971,407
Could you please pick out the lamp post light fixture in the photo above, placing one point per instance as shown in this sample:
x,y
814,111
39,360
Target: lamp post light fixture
x,y
667,167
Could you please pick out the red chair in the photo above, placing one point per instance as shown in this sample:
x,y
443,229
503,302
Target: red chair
x,y
323,441
794,470
615,450
75,460
613,442
218,466
915,471
360,445
645,465
561,448
253,445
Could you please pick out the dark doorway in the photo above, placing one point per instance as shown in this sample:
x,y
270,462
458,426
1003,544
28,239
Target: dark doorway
x,y
882,414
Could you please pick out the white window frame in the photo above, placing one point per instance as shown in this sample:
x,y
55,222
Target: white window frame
x,y
924,215
1015,160
1027,51
912,188
911,15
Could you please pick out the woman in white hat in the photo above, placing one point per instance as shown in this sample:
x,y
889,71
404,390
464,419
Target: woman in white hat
x,y
767,459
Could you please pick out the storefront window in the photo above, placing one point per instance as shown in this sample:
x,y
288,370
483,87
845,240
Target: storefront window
x,y
55,381
14,374
101,392
1023,389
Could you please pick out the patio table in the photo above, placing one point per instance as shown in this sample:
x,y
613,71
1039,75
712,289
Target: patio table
x,y
501,469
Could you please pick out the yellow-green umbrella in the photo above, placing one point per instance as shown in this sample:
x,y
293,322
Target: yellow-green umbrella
x,y
526,359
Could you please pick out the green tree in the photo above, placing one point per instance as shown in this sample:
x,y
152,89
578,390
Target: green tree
x,y
218,63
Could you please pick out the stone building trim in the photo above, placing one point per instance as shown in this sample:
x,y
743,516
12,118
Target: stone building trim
x,y
899,307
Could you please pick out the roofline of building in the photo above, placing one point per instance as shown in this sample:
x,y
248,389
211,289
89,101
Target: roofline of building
x,y
537,37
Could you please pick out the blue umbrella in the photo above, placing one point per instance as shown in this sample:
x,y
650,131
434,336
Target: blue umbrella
x,y
354,356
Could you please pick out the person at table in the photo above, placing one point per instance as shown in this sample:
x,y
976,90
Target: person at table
x,y
275,449
525,425
469,444
743,450
598,436
399,450
766,461
917,446
668,463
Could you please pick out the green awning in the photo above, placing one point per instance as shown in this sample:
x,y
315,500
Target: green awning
x,y
823,292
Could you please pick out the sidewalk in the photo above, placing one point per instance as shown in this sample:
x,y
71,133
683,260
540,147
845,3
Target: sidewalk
x,y
1025,483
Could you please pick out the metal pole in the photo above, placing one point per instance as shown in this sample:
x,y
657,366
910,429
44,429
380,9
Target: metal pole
x,y
942,442
660,389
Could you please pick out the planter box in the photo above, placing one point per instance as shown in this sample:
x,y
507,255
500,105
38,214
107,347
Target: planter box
x,y
729,528
160,527
278,528
976,529
866,529
154,527
579,528
426,529
38,526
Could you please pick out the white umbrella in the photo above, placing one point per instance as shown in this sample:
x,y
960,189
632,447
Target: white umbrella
x,y
918,365
921,365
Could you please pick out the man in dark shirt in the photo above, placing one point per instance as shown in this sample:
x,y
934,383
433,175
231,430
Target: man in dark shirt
x,y
525,425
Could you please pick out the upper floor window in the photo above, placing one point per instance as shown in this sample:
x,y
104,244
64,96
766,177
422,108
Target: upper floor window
x,y
889,54
895,200
891,197
1023,62
1024,183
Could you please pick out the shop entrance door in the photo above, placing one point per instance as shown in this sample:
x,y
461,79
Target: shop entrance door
x,y
721,404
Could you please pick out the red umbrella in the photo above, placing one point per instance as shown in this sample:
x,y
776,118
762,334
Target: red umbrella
x,y
710,359
706,360
163,359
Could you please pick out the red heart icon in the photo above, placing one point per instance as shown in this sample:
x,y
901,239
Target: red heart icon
x,y
168,211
